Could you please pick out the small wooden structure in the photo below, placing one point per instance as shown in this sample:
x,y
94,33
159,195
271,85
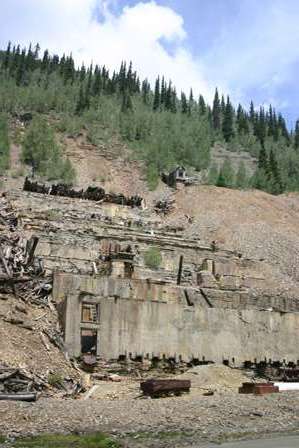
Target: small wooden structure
x,y
158,388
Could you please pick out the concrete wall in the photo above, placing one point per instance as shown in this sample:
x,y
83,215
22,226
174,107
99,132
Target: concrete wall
x,y
156,321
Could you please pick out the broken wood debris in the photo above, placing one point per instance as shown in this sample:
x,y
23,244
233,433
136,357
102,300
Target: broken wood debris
x,y
8,219
18,381
20,271
97,194
164,206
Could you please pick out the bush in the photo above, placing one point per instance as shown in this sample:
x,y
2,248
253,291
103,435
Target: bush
x,y
55,380
153,258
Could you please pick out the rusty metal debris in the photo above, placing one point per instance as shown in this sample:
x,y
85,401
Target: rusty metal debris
x,y
258,388
157,388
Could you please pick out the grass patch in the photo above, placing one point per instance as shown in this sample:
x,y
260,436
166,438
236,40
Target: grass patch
x,y
161,435
97,440
153,258
2,439
56,380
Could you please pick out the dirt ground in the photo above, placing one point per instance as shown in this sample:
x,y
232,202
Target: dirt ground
x,y
176,422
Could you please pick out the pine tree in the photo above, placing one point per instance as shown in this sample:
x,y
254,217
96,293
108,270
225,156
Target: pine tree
x,y
261,126
36,52
169,97
21,69
296,138
82,102
190,102
202,105
7,56
156,104
283,128
263,160
130,79
184,104
252,115
216,111
173,107
222,106
30,59
122,77
228,121
82,73
127,105
45,61
15,61
97,81
275,127
145,90
163,92
242,121
276,186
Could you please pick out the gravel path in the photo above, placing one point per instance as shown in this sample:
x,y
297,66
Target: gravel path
x,y
169,422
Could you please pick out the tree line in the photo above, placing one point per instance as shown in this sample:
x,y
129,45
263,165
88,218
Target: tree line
x,y
162,127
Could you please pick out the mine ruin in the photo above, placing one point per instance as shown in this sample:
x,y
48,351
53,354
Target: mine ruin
x,y
126,286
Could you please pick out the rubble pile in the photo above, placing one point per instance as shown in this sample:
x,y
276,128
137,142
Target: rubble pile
x,y
17,381
165,206
8,220
97,194
21,273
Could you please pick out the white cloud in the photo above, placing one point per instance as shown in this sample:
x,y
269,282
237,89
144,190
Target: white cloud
x,y
257,49
135,34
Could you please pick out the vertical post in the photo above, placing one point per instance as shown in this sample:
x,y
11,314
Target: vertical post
x,y
180,270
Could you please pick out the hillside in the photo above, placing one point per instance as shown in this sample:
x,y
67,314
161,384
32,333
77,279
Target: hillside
x,y
259,225
225,144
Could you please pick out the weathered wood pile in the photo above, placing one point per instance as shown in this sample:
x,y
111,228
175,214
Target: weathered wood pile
x,y
21,272
165,206
97,194
18,381
8,219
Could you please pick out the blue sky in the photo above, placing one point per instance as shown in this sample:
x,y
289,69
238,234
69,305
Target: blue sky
x,y
248,48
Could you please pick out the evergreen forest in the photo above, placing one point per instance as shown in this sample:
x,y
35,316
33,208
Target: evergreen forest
x,y
163,127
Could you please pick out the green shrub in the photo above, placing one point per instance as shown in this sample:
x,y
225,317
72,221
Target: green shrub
x,y
55,380
153,258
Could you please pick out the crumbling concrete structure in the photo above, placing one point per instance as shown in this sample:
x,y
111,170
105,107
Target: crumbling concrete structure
x,y
198,302
138,318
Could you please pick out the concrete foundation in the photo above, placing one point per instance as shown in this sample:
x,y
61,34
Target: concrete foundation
x,y
160,323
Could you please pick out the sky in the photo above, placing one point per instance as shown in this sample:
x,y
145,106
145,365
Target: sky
x,y
247,48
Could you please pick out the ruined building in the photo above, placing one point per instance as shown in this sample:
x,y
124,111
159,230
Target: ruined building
x,y
118,297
